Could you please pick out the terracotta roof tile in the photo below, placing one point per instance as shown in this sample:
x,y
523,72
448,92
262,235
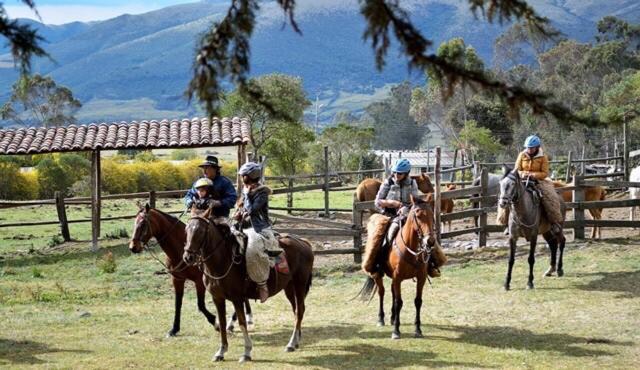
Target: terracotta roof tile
x,y
126,135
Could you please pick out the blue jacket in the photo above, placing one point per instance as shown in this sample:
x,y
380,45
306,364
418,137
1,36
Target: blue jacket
x,y
256,205
221,190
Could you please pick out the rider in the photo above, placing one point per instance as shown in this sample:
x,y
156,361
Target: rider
x,y
205,199
533,163
222,192
254,214
394,197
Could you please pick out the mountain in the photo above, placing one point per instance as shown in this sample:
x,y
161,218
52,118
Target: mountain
x,y
138,66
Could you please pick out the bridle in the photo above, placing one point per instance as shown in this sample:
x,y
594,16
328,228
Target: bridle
x,y
514,199
423,253
201,259
145,231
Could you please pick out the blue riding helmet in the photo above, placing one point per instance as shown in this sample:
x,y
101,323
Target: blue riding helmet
x,y
532,141
402,166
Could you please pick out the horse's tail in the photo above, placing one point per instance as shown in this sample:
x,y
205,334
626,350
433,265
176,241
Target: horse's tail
x,y
367,291
308,285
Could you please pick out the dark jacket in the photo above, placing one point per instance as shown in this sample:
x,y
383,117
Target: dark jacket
x,y
402,192
256,205
222,190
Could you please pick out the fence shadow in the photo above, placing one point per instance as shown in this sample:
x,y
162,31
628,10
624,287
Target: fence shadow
x,y
24,352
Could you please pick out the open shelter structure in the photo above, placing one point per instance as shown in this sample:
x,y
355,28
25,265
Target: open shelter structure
x,y
142,135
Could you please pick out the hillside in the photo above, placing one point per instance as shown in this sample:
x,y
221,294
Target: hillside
x,y
147,57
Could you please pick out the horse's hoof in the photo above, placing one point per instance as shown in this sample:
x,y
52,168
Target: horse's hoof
x,y
218,358
418,335
506,288
529,285
560,273
216,326
289,349
380,322
395,335
230,329
172,333
244,359
550,272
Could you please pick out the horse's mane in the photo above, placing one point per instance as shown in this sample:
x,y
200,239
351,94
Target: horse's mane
x,y
167,215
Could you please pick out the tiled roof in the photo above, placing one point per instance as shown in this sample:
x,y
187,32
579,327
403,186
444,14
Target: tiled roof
x,y
126,135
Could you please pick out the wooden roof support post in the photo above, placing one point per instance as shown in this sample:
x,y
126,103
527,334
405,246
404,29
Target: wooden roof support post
x,y
242,158
436,196
95,199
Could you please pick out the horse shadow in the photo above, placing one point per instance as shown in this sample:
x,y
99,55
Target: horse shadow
x,y
14,352
523,339
351,355
623,282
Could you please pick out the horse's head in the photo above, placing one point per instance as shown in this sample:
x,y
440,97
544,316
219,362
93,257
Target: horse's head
x,y
423,181
200,232
142,230
422,215
509,188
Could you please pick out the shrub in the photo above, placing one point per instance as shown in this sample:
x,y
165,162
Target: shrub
x,y
107,263
15,185
55,240
118,234
183,154
146,156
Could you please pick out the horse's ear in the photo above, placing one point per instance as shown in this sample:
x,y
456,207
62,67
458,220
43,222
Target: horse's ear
x,y
505,169
147,207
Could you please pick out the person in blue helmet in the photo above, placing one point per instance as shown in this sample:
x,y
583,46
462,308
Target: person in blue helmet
x,y
221,191
394,197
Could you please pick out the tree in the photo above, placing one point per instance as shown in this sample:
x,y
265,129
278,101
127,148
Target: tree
x,y
347,144
518,46
60,172
39,100
287,150
478,140
23,39
282,92
391,119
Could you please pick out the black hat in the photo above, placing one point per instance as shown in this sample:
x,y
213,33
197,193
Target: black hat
x,y
211,160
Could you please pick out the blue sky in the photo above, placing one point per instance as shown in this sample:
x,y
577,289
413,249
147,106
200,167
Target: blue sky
x,y
65,11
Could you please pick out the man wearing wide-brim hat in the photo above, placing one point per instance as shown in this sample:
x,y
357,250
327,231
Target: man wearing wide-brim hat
x,y
222,191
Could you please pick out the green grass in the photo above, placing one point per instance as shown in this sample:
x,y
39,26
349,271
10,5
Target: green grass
x,y
76,316
315,199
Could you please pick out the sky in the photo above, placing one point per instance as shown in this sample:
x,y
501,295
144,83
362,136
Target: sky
x,y
65,11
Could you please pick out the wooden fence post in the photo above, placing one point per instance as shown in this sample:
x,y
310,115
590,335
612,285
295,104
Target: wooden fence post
x,y
436,196
482,220
152,199
326,182
62,216
463,162
455,162
290,195
567,176
578,213
95,199
625,148
356,220
583,164
242,158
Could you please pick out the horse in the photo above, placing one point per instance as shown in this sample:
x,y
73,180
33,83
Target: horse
x,y
525,219
493,188
226,277
446,205
591,193
368,188
412,246
169,232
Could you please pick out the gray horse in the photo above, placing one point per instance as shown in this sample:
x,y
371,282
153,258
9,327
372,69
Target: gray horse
x,y
493,188
525,220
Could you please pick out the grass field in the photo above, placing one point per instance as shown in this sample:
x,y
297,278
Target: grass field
x,y
59,309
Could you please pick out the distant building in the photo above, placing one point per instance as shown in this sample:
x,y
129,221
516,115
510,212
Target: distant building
x,y
421,161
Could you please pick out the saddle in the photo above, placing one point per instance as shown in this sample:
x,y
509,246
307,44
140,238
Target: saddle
x,y
531,186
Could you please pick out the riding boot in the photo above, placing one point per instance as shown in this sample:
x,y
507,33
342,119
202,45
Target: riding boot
x,y
263,292
393,230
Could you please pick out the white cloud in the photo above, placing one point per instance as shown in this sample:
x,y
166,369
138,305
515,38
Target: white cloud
x,y
60,14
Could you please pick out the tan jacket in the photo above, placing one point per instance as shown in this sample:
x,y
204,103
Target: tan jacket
x,y
537,167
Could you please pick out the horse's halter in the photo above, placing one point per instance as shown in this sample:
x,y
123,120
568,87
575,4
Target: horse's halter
x,y
516,193
142,229
424,248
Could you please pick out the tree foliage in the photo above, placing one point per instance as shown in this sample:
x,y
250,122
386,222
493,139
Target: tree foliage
x,y
347,143
287,149
38,100
282,92
24,41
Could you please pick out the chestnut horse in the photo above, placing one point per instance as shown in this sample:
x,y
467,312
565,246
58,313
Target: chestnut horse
x,y
591,193
170,234
368,188
409,258
226,276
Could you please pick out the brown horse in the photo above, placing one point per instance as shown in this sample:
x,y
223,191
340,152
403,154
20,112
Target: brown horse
x,y
170,234
408,259
226,277
368,188
591,193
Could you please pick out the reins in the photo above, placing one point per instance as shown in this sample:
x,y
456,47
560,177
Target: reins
x,y
200,262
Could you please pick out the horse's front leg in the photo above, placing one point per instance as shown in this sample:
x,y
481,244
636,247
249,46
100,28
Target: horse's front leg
x,y
224,345
178,289
380,287
552,242
397,306
532,258
242,321
422,277
201,292
561,241
512,256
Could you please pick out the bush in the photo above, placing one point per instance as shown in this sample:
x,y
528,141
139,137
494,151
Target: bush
x,y
81,188
59,172
55,240
118,234
107,263
183,154
146,156
15,185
